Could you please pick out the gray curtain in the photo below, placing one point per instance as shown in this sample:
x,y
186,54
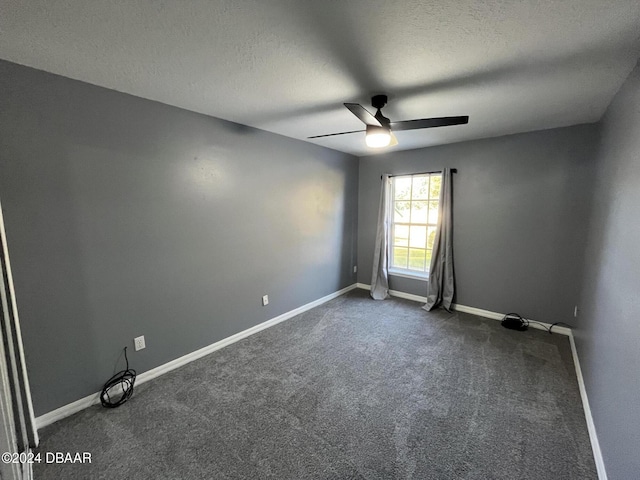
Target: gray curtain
x,y
441,279
380,276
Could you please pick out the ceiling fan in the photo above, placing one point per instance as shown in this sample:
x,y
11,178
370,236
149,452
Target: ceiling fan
x,y
380,129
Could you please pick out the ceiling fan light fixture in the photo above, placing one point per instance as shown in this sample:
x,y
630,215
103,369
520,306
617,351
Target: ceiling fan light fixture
x,y
377,137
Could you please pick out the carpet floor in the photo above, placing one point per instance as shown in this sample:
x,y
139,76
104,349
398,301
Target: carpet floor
x,y
353,389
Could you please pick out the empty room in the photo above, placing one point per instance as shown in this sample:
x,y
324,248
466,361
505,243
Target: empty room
x,y
320,240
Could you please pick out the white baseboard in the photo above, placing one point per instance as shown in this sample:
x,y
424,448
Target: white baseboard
x,y
67,410
595,445
478,311
396,293
93,399
499,316
473,310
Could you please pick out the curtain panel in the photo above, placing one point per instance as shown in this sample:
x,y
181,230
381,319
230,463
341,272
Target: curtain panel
x,y
380,275
441,285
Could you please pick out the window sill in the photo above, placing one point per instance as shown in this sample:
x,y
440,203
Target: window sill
x,y
413,275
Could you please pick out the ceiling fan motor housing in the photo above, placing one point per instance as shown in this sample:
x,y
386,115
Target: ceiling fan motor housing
x,y
378,101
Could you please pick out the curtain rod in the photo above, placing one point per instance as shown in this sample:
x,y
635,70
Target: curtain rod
x,y
453,170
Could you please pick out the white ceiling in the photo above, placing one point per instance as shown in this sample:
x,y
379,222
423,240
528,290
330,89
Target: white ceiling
x,y
287,66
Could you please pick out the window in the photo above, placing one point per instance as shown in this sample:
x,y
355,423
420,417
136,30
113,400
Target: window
x,y
414,217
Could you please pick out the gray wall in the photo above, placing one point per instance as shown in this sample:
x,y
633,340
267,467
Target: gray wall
x,y
520,210
609,340
127,217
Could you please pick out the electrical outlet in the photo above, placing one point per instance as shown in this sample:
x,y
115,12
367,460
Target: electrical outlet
x,y
355,269
265,300
138,343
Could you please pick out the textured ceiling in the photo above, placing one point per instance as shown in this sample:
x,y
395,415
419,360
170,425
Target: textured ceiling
x,y
287,66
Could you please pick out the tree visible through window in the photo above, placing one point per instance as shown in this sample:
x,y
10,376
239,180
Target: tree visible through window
x,y
414,218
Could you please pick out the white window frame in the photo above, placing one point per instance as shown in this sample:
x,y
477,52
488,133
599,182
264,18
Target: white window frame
x,y
402,272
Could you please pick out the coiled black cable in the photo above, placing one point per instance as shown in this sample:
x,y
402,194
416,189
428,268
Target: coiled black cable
x,y
120,386
516,322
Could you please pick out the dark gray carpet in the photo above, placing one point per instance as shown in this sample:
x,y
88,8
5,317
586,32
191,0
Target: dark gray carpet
x,y
353,389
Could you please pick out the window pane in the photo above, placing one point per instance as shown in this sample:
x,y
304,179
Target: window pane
x,y
418,212
418,237
400,257
415,214
431,236
434,187
402,188
401,235
420,187
416,259
401,212
433,212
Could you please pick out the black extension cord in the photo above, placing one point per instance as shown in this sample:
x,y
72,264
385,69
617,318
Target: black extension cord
x,y
122,382
514,321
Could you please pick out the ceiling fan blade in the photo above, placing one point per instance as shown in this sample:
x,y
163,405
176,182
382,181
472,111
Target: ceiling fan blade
x,y
428,123
334,134
363,115
394,140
